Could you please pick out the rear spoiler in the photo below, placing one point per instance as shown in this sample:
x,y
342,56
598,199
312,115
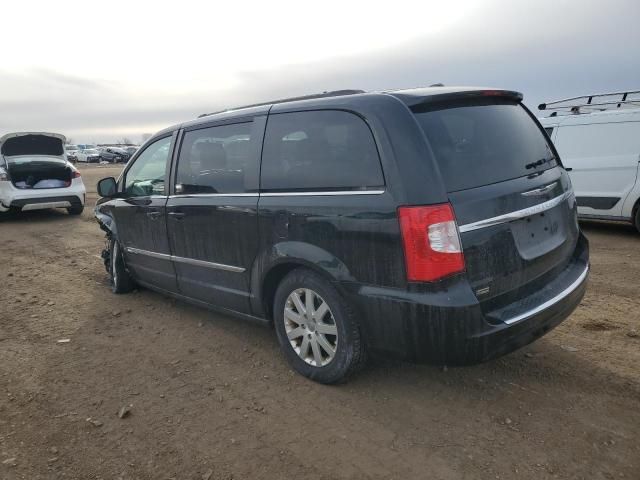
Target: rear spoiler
x,y
412,100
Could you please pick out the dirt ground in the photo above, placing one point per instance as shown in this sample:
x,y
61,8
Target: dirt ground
x,y
211,397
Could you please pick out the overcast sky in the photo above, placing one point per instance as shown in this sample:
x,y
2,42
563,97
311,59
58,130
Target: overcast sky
x,y
124,68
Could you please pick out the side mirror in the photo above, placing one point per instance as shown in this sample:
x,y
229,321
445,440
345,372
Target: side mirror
x,y
107,187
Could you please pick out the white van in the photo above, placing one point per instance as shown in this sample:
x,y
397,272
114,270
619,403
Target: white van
x,y
598,140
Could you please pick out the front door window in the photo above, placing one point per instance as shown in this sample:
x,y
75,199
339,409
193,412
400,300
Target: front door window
x,y
147,175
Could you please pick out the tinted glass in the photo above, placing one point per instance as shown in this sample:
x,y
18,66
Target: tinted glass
x,y
146,176
219,159
482,143
320,150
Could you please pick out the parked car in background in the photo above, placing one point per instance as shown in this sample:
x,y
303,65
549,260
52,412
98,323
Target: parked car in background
x,y
89,155
72,152
598,139
35,174
131,150
86,146
113,154
432,224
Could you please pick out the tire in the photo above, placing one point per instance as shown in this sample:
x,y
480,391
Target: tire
x,y
349,353
636,219
121,281
75,210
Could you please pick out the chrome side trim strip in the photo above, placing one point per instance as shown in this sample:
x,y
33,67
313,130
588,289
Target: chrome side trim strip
x,y
203,263
189,261
554,300
309,194
137,251
199,195
518,214
279,194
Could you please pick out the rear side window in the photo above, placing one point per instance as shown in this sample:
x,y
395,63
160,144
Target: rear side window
x,y
321,151
221,159
549,131
482,142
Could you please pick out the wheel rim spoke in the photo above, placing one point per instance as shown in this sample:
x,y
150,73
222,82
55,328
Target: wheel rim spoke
x,y
296,333
304,347
327,329
317,356
293,316
295,298
321,311
309,297
325,345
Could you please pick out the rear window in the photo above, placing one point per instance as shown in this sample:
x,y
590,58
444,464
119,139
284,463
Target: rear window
x,y
483,142
319,150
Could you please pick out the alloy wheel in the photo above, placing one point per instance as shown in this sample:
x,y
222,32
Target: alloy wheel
x,y
310,327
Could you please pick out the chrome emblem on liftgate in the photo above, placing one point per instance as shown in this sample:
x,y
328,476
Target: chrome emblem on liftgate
x,y
539,191
482,291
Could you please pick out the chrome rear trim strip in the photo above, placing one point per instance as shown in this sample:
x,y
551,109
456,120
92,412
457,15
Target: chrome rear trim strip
x,y
189,261
518,214
549,303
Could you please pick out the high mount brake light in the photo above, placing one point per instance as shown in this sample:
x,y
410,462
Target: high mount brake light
x,y
431,242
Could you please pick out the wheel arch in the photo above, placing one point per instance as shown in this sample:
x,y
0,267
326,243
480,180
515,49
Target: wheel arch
x,y
285,257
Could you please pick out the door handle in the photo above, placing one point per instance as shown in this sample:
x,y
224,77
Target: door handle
x,y
177,215
568,169
154,214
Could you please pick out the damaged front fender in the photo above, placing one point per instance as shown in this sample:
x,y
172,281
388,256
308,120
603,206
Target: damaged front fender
x,y
102,213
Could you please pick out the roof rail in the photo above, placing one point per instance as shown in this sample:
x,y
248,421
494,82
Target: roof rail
x,y
590,103
334,93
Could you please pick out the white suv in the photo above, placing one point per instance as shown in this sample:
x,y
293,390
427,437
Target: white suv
x,y
598,140
35,174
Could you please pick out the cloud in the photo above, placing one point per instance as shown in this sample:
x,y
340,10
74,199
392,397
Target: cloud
x,y
546,49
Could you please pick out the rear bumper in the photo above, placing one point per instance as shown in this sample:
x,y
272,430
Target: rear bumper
x,y
448,325
36,199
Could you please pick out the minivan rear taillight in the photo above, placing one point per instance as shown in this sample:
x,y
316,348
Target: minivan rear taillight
x,y
431,242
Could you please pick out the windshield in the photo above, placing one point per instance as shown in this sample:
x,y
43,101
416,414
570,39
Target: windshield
x,y
91,152
480,142
71,147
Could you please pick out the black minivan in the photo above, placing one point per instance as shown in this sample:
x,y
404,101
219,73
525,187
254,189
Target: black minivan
x,y
434,224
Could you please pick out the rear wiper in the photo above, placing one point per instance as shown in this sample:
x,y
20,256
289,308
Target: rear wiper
x,y
537,163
